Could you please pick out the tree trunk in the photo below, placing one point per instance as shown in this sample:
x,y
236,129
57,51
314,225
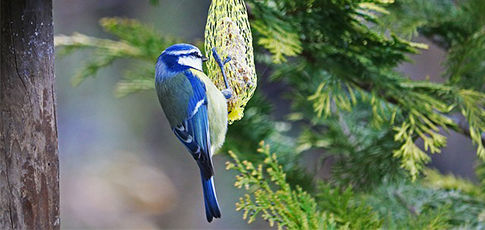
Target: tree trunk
x,y
29,165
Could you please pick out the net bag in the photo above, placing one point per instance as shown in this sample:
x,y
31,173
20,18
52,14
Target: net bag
x,y
228,31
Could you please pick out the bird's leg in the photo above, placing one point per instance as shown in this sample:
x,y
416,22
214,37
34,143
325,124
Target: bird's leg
x,y
227,92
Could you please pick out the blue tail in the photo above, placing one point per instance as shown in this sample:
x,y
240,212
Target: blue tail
x,y
210,199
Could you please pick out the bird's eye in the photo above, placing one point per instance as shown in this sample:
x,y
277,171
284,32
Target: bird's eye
x,y
196,54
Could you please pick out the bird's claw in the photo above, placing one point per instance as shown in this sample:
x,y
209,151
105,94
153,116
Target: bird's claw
x,y
227,93
228,58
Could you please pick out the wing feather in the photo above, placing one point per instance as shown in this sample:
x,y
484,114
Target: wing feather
x,y
194,130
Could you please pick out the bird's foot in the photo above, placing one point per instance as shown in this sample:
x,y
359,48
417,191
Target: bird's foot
x,y
226,92
226,60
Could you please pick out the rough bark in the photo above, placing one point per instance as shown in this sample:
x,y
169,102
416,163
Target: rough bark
x,y
29,167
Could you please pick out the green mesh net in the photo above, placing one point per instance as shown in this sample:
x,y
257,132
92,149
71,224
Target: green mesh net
x,y
228,31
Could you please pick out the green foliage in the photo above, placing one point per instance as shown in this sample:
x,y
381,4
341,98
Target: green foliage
x,y
446,201
258,124
272,197
457,26
406,17
278,41
154,2
473,108
347,212
434,179
480,171
412,206
463,60
330,92
362,152
346,57
336,61
137,42
107,51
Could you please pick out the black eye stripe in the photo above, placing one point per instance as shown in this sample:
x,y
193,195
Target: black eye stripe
x,y
195,53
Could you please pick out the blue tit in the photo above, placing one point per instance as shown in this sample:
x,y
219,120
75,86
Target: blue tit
x,y
195,109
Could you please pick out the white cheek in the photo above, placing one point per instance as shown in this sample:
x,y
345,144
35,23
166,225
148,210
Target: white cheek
x,y
193,62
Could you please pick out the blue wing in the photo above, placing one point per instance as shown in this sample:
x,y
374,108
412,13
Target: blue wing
x,y
194,131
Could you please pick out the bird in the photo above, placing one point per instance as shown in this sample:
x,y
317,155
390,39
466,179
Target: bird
x,y
196,110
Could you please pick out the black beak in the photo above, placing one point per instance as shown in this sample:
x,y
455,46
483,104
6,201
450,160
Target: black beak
x,y
204,59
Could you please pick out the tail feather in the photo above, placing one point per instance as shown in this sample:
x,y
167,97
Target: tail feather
x,y
210,199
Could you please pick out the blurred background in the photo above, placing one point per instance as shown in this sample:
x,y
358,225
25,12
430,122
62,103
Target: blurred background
x,y
121,166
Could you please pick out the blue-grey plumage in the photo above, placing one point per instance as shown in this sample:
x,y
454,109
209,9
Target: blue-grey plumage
x,y
195,109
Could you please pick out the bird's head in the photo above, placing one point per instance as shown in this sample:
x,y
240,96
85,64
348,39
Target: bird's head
x,y
179,57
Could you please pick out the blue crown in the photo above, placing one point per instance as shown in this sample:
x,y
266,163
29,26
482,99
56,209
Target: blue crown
x,y
180,47
167,63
